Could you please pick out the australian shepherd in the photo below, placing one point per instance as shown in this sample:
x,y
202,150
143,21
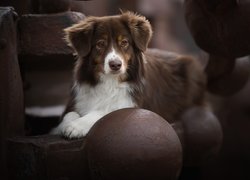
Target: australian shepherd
x,y
115,70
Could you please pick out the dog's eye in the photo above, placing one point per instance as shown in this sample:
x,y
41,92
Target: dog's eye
x,y
101,44
124,43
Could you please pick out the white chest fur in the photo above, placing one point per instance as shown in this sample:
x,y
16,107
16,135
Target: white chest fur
x,y
108,95
92,103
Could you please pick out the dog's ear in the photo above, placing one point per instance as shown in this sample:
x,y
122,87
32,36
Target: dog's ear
x,y
79,36
140,29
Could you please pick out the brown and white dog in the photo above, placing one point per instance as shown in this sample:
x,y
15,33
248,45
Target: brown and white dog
x,y
115,71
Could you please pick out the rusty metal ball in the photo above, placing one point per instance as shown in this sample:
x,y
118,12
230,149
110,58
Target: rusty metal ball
x,y
133,144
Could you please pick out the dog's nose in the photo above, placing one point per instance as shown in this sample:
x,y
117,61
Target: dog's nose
x,y
115,65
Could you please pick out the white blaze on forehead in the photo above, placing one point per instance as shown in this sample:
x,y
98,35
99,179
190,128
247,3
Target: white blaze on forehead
x,y
111,56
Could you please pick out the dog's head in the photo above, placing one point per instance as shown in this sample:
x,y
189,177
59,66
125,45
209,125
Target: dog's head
x,y
109,45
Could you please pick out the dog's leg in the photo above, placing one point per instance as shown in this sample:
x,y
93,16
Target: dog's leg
x,y
80,126
69,117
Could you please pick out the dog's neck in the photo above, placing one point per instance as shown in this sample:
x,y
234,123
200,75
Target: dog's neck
x,y
108,95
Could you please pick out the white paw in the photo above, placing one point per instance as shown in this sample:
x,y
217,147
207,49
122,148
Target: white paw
x,y
74,126
68,118
76,129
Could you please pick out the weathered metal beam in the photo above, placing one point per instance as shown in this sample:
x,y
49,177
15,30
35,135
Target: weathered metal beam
x,y
42,34
11,90
46,157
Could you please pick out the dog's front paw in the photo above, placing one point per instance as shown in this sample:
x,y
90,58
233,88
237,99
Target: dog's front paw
x,y
75,129
68,118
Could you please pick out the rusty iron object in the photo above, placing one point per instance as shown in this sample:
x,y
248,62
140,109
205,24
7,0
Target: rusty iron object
x,y
234,158
133,144
227,76
42,34
201,135
11,91
222,28
46,157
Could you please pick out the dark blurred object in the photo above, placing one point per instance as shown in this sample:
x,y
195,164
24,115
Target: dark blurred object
x,y
46,157
227,76
133,144
222,29
11,91
234,160
201,135
48,6
21,7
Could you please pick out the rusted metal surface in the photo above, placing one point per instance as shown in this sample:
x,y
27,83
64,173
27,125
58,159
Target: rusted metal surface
x,y
11,90
133,144
46,157
42,34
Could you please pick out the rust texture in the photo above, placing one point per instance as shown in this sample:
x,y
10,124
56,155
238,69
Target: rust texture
x,y
133,144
